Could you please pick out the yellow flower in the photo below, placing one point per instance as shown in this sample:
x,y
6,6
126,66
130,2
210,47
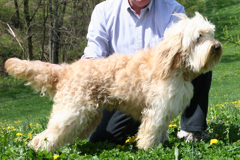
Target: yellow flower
x,y
37,124
9,127
133,139
19,134
30,136
213,141
31,125
130,140
55,156
119,146
172,125
234,142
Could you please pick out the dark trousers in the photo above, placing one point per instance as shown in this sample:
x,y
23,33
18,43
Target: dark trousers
x,y
116,127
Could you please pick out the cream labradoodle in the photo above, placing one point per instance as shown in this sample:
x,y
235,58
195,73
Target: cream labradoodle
x,y
148,85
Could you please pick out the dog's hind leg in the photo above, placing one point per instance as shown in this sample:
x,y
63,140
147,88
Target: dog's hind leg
x,y
153,129
64,126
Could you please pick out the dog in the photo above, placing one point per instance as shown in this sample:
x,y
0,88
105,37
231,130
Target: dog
x,y
148,85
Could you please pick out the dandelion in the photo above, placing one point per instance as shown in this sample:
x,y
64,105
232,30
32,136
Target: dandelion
x,y
213,141
30,136
130,140
19,134
133,139
172,125
55,156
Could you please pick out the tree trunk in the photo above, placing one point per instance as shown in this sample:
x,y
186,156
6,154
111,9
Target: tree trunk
x,y
28,20
44,29
28,28
19,24
56,34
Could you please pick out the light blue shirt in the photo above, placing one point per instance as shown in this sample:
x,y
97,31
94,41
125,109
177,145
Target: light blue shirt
x,y
115,27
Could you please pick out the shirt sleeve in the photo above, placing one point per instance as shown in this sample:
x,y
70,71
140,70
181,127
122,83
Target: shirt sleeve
x,y
175,19
97,36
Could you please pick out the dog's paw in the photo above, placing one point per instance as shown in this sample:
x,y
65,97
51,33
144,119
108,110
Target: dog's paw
x,y
38,143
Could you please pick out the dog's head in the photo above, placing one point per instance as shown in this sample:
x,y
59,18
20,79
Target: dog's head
x,y
190,45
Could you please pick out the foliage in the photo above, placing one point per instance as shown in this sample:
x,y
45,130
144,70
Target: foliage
x,y
223,128
191,6
36,32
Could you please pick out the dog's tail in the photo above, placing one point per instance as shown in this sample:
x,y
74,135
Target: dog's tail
x,y
40,75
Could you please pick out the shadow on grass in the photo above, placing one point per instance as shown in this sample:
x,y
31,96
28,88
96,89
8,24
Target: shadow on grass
x,y
88,148
12,90
224,13
225,131
230,58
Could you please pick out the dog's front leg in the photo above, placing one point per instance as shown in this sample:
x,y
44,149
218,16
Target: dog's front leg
x,y
153,129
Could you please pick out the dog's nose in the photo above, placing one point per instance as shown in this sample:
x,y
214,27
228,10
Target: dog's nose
x,y
217,47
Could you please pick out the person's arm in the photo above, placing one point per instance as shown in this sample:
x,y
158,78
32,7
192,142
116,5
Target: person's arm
x,y
174,19
98,38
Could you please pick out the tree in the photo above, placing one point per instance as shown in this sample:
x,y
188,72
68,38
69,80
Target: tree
x,y
56,22
28,20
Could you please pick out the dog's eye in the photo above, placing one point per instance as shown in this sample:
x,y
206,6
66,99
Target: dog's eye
x,y
200,35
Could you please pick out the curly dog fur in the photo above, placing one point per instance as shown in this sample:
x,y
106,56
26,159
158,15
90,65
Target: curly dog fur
x,y
148,85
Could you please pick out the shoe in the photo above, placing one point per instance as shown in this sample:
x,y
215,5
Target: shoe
x,y
192,136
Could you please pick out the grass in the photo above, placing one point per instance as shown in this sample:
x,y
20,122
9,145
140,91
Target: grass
x,y
22,101
23,111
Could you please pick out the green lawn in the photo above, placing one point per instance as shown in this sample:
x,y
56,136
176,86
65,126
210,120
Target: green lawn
x,y
20,102
20,108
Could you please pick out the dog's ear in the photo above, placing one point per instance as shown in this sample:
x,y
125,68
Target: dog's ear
x,y
177,61
168,55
